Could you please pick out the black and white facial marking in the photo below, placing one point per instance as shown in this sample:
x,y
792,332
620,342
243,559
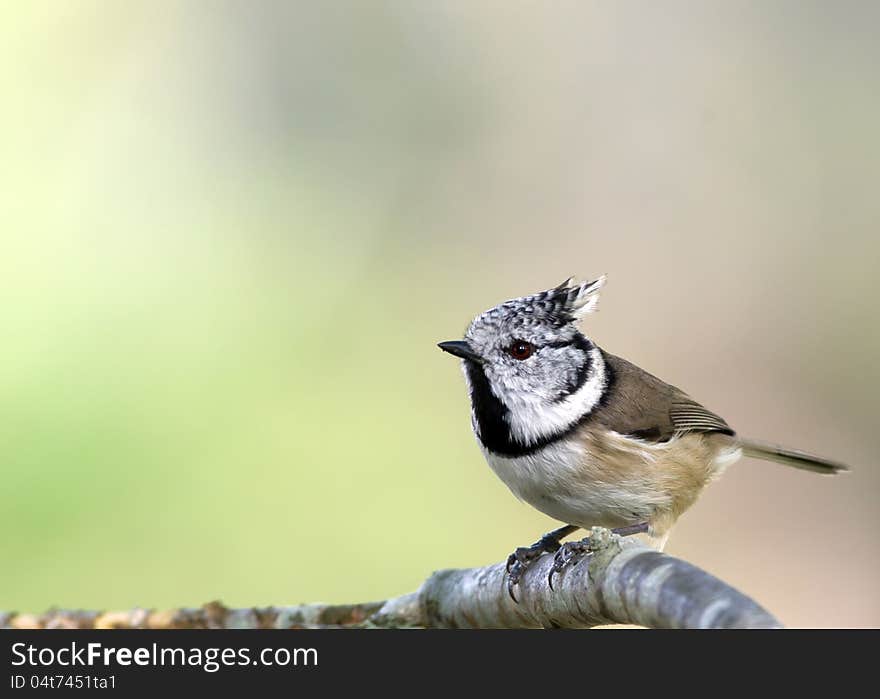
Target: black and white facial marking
x,y
539,376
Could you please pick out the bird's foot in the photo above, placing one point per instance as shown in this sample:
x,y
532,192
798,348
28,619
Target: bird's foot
x,y
519,561
571,553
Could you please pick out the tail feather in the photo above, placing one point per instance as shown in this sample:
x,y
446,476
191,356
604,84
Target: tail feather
x,y
792,457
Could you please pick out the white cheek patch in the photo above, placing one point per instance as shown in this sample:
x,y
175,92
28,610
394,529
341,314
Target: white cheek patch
x,y
532,417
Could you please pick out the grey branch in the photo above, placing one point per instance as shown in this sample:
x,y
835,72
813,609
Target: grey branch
x,y
621,582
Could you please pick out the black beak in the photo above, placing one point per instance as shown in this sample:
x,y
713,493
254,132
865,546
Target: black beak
x,y
460,349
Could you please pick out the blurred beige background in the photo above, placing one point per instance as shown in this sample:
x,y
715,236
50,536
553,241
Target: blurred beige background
x,y
232,234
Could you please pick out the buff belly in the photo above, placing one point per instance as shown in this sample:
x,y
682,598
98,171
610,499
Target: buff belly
x,y
601,478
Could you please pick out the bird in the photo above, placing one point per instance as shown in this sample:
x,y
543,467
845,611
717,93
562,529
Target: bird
x,y
587,437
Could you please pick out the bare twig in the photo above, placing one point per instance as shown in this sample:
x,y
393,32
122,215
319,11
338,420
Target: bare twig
x,y
622,582
212,615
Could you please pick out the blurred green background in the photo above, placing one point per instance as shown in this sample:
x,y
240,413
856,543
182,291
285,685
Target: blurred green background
x,y
231,234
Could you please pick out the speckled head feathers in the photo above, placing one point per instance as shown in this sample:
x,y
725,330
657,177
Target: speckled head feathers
x,y
532,374
555,308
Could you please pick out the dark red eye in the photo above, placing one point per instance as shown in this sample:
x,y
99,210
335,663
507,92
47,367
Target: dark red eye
x,y
521,349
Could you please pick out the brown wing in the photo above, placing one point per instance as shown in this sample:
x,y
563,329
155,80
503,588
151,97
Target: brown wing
x,y
641,405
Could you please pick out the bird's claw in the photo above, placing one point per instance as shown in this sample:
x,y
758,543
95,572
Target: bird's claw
x,y
520,560
569,554
518,563
513,576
